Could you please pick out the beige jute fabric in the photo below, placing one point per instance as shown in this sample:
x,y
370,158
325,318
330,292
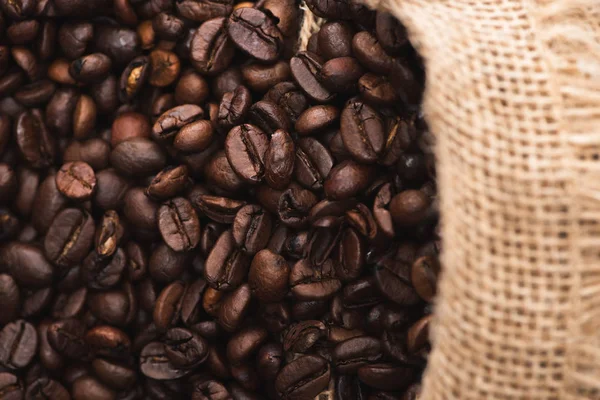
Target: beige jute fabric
x,y
513,98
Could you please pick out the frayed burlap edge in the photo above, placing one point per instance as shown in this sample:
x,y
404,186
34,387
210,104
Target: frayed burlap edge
x,y
513,95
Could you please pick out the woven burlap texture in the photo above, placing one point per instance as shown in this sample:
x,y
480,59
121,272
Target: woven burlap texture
x,y
513,97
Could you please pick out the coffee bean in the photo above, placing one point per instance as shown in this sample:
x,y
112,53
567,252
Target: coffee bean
x,y
261,77
66,337
335,40
219,209
35,93
179,224
138,157
169,182
393,279
316,119
209,390
133,78
251,228
255,33
409,207
336,9
300,337
166,308
194,137
269,117
34,141
367,49
417,336
111,189
10,297
350,355
391,33
234,107
386,376
26,264
102,273
202,10
91,68
268,276
351,254
164,68
184,349
245,343
129,125
69,238
245,147
108,341
279,158
211,49
303,378
313,163
311,282
289,97
346,179
424,275
10,387
226,266
169,123
18,344
306,67
234,308
110,306
46,388
114,374
362,131
191,303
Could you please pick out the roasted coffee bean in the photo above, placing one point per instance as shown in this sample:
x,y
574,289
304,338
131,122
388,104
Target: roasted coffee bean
x,y
219,209
169,182
234,107
19,344
341,74
335,40
35,93
44,387
110,306
393,279
69,238
35,143
155,364
409,207
279,163
245,343
306,68
424,273
377,90
211,49
10,387
350,355
202,10
386,376
191,303
251,228
109,234
269,117
114,374
300,337
255,33
191,88
178,224
166,308
362,131
268,276
351,255
169,123
311,282
234,307
226,266
262,77
108,341
138,157
185,349
294,206
129,125
367,49
76,180
166,264
194,137
269,360
10,297
336,9
91,68
99,272
111,190
313,163
66,337
347,179
417,336
316,119
164,68
8,183
205,389
133,78
303,378
391,33
245,147
289,97
26,264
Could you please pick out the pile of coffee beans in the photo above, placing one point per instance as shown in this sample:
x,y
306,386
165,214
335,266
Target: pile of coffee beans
x,y
192,208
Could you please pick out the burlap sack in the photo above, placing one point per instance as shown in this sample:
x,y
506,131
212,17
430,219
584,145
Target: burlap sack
x,y
513,97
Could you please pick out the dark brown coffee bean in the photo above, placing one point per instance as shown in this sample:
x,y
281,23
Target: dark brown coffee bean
x,y
191,88
26,264
251,228
269,117
300,337
169,123
391,33
294,206
234,107
166,309
209,390
167,265
191,304
306,67
178,224
91,68
8,183
76,180
27,61
347,179
336,9
335,40
269,360
377,90
35,93
44,387
110,306
311,282
409,207
245,147
202,10
66,337
393,279
114,374
211,49
102,273
70,237
105,94
194,137
129,125
362,220
316,119
169,182
10,297
350,255
417,337
164,68
111,189
303,378
367,49
185,349
167,26
138,157
386,376
268,276
109,234
289,97
234,307
279,158
362,131
313,163
424,275
408,87
226,266
155,364
352,354
34,141
260,77
94,152
245,343
19,344
219,209
255,33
